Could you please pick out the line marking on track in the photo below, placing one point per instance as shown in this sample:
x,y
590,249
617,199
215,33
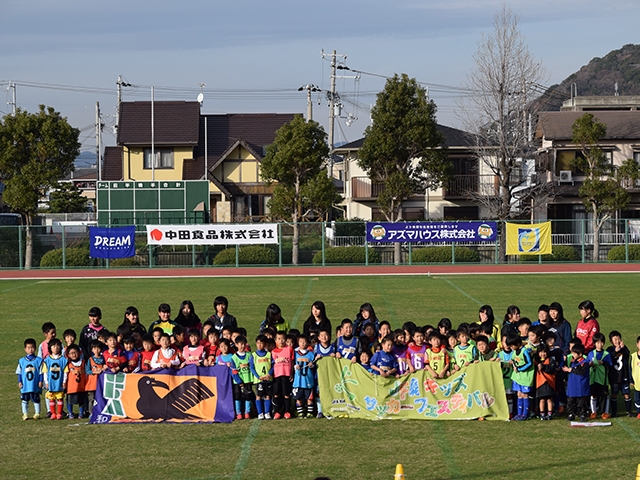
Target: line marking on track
x,y
245,450
628,429
447,452
302,304
470,297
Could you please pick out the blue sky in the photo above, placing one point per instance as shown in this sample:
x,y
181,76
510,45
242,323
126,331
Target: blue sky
x,y
253,55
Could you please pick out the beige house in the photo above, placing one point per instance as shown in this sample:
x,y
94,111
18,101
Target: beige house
x,y
235,145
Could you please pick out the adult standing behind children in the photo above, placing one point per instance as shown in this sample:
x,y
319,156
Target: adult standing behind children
x,y
164,319
222,318
132,320
188,317
588,326
273,319
90,332
317,320
561,327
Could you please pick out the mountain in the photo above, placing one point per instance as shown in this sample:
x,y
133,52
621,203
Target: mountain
x,y
599,77
85,159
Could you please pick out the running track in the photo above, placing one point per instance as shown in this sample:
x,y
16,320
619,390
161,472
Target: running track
x,y
376,270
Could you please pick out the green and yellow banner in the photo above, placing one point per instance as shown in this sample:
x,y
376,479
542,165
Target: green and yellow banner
x,y
348,390
532,239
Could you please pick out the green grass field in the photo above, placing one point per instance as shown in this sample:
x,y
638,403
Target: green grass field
x,y
303,449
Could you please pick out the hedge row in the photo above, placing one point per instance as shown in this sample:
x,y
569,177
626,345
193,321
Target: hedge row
x,y
251,255
443,255
74,257
617,254
559,253
346,255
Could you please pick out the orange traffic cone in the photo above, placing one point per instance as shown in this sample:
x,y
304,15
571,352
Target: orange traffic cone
x,y
400,472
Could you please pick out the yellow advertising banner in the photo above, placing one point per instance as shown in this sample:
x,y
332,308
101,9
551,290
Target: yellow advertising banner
x,y
529,239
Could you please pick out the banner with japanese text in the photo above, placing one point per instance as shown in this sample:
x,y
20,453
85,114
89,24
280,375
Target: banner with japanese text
x,y
213,234
529,239
112,242
431,232
348,390
191,394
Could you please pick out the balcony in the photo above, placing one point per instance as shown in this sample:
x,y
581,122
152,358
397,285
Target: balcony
x,y
364,188
462,186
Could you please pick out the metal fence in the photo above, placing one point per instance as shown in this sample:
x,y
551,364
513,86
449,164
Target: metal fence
x,y
62,245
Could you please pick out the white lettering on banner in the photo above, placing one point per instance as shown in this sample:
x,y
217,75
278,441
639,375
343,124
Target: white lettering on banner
x,y
112,241
213,234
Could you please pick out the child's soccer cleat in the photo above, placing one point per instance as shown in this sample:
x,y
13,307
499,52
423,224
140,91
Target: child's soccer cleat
x,y
277,416
638,416
287,415
583,418
25,416
58,416
247,416
593,416
571,417
71,416
605,416
267,416
261,416
309,415
239,416
320,415
36,416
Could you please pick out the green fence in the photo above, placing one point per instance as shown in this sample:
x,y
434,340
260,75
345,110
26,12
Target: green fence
x,y
320,243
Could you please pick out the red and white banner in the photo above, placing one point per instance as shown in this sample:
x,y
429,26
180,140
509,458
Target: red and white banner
x,y
213,234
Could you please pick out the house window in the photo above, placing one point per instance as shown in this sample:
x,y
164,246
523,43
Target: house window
x,y
636,156
163,158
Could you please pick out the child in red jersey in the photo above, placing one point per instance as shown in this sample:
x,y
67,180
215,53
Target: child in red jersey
x,y
114,356
148,349
75,380
588,325
131,355
211,347
416,352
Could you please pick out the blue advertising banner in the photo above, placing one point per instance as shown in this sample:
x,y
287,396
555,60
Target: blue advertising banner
x,y
118,242
432,232
191,394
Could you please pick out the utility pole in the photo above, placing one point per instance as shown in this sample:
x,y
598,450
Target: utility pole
x,y
309,88
12,87
333,105
120,83
98,141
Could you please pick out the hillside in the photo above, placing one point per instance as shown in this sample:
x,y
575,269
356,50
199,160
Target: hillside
x,y
598,77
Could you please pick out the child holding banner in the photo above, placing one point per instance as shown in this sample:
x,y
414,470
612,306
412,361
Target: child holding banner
x,y
384,362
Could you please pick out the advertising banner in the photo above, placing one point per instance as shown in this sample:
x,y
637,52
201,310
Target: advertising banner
x,y
529,239
213,234
348,390
431,232
116,242
191,394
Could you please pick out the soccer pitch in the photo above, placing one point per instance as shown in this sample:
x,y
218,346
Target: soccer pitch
x,y
301,449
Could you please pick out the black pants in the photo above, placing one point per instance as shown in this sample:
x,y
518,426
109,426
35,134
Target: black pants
x,y
577,406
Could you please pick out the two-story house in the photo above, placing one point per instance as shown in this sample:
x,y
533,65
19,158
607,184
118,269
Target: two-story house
x,y
224,149
453,201
557,152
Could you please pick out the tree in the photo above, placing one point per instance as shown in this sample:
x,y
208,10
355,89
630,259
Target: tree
x,y
36,150
67,198
498,113
602,191
403,148
295,160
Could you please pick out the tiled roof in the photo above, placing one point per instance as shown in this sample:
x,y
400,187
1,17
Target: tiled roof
x,y
175,123
452,138
253,130
621,125
82,174
112,163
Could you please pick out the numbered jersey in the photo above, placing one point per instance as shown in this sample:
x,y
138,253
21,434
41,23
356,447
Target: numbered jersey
x,y
348,348
303,374
29,373
415,356
620,360
55,372
437,359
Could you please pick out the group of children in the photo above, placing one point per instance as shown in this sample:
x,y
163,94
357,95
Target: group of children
x,y
546,366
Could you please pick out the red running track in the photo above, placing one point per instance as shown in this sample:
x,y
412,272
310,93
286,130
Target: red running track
x,y
374,270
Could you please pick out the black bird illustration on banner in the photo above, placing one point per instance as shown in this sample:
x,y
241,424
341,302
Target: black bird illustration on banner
x,y
175,403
